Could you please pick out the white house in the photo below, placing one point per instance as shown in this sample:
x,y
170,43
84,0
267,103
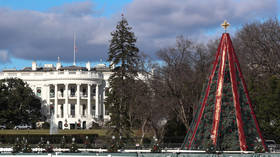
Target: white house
x,y
74,95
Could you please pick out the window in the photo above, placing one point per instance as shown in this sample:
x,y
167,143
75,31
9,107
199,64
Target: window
x,y
93,91
84,124
73,91
84,90
61,91
61,110
73,110
84,109
51,92
60,125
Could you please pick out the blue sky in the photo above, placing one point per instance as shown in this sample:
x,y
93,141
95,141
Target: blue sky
x,y
42,30
108,7
105,8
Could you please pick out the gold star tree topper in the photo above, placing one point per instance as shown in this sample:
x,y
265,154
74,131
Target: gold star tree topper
x,y
225,24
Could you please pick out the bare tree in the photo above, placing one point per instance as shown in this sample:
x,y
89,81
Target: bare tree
x,y
181,77
147,111
258,44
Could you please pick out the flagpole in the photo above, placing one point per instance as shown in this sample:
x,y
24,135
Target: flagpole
x,y
74,49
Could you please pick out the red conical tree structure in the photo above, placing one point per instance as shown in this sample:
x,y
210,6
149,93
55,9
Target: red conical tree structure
x,y
225,117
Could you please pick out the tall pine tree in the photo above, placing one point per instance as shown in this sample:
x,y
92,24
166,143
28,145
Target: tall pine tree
x,y
124,58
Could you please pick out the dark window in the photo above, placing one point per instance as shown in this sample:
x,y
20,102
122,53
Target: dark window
x,y
60,125
61,109
73,109
72,126
84,109
61,91
51,92
84,124
84,90
73,90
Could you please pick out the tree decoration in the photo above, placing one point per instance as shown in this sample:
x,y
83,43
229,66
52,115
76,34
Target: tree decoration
x,y
259,147
41,144
87,143
225,117
17,146
155,146
48,147
26,146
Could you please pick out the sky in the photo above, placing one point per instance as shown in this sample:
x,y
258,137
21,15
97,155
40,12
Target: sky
x,y
42,30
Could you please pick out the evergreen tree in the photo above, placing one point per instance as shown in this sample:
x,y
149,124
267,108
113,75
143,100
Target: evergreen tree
x,y
18,103
124,58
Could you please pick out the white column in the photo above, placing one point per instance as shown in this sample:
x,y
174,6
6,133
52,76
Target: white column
x,y
89,100
55,101
97,101
103,98
65,107
48,94
78,101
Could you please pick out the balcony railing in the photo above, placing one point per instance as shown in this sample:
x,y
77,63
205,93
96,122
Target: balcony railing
x,y
73,95
71,116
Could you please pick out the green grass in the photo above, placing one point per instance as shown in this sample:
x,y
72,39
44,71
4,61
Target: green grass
x,y
100,132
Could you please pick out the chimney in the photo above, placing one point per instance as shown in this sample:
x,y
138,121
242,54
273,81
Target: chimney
x,y
58,65
34,66
88,66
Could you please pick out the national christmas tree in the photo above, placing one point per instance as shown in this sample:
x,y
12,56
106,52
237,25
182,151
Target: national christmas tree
x,y
225,119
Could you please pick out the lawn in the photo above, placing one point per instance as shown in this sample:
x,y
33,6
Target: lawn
x,y
100,132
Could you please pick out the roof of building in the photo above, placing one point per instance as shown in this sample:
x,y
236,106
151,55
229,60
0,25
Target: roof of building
x,y
98,68
74,68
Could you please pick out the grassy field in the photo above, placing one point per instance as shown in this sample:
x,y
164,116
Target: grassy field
x,y
100,132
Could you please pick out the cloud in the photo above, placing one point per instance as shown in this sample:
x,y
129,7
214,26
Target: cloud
x,y
4,56
75,9
158,21
45,35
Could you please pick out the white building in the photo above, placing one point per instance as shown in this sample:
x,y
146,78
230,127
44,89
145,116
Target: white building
x,y
73,94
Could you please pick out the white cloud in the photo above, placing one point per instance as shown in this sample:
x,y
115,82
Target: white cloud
x,y
4,56
156,23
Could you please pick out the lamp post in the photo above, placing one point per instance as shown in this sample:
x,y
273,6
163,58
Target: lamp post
x,y
73,140
114,145
155,146
73,148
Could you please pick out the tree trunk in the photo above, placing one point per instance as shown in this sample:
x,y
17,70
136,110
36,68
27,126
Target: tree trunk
x,y
143,131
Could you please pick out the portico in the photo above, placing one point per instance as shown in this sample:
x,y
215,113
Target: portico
x,y
74,101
